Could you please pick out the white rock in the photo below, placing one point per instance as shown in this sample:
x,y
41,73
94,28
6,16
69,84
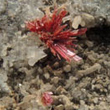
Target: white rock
x,y
76,22
34,54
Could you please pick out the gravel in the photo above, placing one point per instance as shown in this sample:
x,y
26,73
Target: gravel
x,y
28,69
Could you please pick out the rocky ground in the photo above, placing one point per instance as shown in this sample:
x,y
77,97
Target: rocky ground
x,y
27,68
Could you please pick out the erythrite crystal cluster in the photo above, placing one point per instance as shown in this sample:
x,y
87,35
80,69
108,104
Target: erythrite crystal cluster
x,y
55,36
47,99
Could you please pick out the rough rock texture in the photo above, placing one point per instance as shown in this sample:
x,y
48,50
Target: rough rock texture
x,y
89,12
26,71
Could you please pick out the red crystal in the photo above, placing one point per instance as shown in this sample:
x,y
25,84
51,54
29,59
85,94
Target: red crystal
x,y
52,33
46,98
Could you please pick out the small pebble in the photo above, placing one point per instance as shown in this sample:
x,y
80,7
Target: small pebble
x,y
95,100
49,69
58,72
40,70
67,68
59,107
3,5
56,65
89,43
82,102
108,99
109,87
61,90
46,75
76,22
55,80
